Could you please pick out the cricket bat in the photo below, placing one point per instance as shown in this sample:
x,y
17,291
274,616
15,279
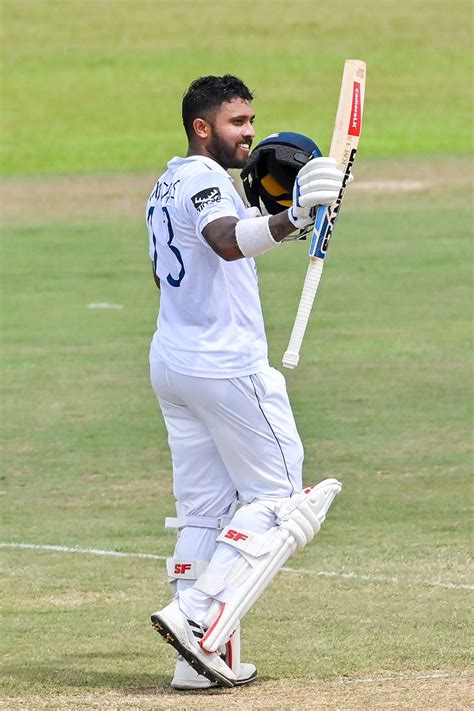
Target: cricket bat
x,y
345,140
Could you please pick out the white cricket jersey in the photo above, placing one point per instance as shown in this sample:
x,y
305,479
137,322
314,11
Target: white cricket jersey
x,y
210,322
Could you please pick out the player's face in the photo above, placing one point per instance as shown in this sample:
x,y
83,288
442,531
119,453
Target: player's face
x,y
232,134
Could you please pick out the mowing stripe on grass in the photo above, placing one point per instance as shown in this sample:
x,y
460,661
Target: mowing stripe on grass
x,y
301,571
391,186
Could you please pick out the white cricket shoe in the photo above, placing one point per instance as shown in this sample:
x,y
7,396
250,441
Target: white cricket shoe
x,y
186,678
184,636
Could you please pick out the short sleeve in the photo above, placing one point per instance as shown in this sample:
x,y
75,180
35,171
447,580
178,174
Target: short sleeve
x,y
208,196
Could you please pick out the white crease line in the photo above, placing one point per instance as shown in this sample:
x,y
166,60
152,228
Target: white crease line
x,y
105,305
382,579
91,551
403,677
300,571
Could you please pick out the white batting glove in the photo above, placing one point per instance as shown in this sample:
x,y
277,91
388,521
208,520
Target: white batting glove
x,y
317,183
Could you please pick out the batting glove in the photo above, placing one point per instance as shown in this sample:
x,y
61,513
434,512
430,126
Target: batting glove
x,y
317,183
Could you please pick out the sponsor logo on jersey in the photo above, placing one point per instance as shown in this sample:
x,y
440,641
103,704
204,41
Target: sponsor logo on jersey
x,y
206,197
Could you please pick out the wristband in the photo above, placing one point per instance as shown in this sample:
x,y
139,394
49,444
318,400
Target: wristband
x,y
254,237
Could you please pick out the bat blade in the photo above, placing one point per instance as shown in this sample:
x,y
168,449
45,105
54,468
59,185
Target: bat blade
x,y
344,144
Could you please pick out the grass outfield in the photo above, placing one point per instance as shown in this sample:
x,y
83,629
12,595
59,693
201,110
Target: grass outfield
x,y
378,609
96,85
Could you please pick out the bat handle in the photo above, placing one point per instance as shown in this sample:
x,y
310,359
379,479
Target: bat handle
x,y
310,287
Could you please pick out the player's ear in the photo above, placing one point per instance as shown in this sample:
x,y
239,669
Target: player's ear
x,y
201,127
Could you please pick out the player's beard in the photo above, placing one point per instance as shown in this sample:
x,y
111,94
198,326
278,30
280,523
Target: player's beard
x,y
224,153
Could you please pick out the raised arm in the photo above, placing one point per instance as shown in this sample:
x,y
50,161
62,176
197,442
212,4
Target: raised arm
x,y
317,183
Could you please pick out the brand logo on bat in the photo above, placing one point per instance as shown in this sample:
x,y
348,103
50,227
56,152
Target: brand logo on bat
x,y
181,568
355,122
321,240
235,535
206,197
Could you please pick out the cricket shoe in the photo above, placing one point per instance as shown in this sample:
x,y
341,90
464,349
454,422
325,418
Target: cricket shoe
x,y
184,635
186,678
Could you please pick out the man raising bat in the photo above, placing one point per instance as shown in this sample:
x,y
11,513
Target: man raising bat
x,y
236,453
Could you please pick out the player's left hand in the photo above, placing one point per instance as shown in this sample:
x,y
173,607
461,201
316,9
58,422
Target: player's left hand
x,y
317,183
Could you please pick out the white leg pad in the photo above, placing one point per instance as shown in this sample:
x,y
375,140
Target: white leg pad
x,y
195,544
262,555
179,569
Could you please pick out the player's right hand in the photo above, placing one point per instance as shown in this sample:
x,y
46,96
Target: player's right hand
x,y
317,183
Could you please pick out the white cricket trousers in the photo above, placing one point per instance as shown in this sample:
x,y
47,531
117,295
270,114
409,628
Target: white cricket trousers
x,y
229,438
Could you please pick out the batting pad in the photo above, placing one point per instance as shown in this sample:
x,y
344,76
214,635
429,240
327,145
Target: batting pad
x,y
262,555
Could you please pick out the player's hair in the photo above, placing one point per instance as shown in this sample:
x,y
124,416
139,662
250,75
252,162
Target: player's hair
x,y
206,94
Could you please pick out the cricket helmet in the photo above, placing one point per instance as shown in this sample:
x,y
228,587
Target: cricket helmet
x,y
270,173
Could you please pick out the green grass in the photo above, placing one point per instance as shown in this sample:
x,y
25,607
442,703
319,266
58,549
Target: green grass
x,y
96,85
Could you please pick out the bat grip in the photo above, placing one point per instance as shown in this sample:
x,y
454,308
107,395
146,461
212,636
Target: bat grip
x,y
310,287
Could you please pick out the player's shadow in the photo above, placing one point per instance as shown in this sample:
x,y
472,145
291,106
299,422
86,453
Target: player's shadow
x,y
87,677
82,671
83,675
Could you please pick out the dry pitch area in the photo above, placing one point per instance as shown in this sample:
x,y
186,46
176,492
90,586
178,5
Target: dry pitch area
x,y
439,693
89,197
